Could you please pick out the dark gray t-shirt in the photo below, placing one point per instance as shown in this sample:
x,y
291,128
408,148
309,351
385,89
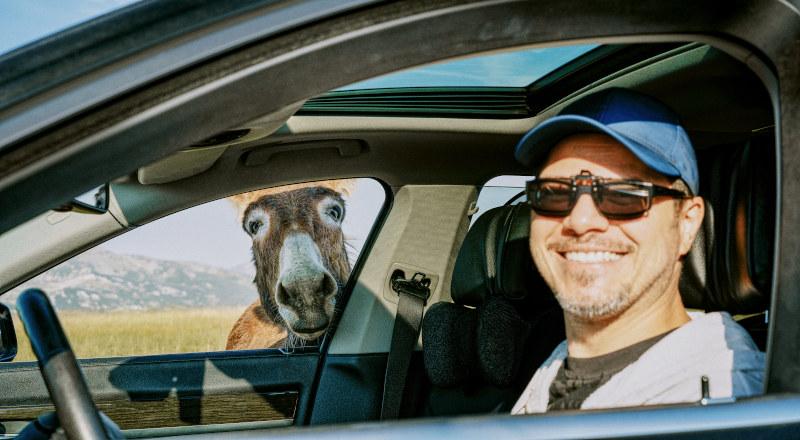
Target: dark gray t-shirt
x,y
580,377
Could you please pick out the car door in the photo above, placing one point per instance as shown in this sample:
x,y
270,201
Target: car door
x,y
148,313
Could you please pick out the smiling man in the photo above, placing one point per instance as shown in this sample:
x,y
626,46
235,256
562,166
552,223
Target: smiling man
x,y
615,210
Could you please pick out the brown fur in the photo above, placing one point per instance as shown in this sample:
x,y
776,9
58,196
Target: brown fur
x,y
254,330
261,326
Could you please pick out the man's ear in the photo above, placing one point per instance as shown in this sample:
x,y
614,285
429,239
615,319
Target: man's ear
x,y
689,222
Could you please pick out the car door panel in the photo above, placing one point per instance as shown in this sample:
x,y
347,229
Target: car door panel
x,y
350,389
264,387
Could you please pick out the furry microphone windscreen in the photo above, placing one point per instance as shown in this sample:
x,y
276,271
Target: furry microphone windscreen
x,y
501,340
448,338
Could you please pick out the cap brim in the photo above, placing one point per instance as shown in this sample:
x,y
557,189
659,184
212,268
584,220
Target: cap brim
x,y
534,147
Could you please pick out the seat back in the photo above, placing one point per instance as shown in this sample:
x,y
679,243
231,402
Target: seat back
x,y
730,265
480,350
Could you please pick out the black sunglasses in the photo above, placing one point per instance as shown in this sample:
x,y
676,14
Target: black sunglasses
x,y
615,199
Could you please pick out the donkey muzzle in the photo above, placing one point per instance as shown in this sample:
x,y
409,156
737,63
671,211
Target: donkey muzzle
x,y
305,289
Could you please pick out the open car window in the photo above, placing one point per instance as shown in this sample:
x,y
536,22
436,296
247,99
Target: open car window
x,y
180,283
500,191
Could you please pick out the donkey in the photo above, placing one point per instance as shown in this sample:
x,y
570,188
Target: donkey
x,y
301,263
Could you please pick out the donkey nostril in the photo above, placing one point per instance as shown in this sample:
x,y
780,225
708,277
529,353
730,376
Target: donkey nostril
x,y
329,285
281,294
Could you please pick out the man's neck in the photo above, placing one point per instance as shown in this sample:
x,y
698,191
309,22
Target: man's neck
x,y
643,320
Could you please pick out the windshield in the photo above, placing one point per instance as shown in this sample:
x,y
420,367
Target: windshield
x,y
23,22
510,69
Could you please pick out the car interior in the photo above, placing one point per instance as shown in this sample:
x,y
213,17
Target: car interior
x,y
490,320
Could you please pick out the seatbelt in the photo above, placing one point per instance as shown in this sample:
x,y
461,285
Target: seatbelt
x,y
413,294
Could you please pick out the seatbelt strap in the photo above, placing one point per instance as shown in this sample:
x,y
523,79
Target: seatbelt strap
x,y
413,294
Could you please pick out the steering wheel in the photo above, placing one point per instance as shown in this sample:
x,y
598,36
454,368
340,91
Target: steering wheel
x,y
68,390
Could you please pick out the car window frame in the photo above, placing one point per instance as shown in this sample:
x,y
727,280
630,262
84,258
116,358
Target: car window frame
x,y
357,266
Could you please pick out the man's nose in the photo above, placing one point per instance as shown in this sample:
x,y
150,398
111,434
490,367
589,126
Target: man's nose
x,y
585,217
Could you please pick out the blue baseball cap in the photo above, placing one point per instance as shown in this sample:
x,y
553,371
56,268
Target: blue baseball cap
x,y
648,128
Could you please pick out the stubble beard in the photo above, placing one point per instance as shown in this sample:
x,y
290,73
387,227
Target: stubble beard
x,y
585,303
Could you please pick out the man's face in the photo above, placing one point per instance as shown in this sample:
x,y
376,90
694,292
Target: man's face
x,y
598,267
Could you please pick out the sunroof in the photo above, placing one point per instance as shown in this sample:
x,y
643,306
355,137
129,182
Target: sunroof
x,y
509,69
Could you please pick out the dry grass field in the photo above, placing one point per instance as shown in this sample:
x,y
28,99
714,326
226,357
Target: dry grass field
x,y
126,333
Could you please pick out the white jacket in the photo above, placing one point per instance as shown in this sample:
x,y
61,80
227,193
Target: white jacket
x,y
711,345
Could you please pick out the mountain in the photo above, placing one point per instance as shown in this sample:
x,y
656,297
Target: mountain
x,y
102,280
248,269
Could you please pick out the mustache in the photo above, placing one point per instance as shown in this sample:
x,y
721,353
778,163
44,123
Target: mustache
x,y
589,243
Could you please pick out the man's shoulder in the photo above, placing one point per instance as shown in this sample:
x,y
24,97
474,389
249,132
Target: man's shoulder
x,y
717,330
711,345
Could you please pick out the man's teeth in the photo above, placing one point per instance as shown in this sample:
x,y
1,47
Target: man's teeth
x,y
592,257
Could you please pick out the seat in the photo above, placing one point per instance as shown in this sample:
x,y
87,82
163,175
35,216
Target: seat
x,y
480,351
730,265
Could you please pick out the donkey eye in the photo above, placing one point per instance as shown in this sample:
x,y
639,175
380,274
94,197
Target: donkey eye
x,y
334,212
254,226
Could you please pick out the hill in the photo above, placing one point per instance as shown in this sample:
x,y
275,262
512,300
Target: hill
x,y
102,280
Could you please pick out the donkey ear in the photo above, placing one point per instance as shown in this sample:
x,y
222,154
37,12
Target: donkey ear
x,y
242,201
344,187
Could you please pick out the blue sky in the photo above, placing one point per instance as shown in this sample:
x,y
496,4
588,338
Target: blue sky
x,y
513,69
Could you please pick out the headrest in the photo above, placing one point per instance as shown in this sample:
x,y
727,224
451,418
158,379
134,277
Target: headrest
x,y
495,259
730,265
494,275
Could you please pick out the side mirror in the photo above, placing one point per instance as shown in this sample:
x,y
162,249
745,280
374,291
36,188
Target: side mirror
x,y
8,338
90,202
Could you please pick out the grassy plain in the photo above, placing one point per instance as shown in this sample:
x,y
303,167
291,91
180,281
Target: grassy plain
x,y
134,332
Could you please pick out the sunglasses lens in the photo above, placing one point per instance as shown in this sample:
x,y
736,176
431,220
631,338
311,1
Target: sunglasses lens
x,y
623,200
550,198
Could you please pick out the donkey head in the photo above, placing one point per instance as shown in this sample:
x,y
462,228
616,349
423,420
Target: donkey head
x,y
300,256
